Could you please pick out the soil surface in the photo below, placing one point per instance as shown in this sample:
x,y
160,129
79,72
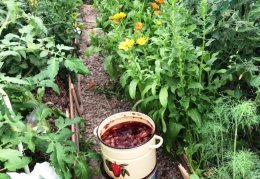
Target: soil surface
x,y
99,101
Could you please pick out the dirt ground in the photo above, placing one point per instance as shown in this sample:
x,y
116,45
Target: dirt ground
x,y
99,101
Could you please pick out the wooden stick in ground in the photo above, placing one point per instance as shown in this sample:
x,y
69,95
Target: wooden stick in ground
x,y
73,137
78,89
183,171
75,100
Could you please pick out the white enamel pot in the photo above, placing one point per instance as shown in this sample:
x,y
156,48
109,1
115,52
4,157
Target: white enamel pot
x,y
131,163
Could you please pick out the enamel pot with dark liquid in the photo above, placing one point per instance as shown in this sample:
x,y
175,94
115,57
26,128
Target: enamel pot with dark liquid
x,y
128,145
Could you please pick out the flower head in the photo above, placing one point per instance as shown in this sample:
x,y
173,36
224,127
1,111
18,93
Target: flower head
x,y
126,44
115,22
117,16
138,26
155,6
141,40
160,1
158,22
157,12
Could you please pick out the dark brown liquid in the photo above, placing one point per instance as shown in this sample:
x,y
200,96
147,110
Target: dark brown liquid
x,y
127,134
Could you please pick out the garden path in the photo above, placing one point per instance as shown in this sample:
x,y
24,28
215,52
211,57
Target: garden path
x,y
97,105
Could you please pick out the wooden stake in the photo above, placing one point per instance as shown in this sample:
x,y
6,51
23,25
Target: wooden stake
x,y
183,171
75,100
73,137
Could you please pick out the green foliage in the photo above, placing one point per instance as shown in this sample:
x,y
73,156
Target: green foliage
x,y
30,60
197,51
26,51
61,18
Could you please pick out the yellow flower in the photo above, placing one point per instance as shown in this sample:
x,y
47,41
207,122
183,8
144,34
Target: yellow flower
x,y
155,6
115,22
158,12
138,26
160,1
117,16
158,22
141,40
126,44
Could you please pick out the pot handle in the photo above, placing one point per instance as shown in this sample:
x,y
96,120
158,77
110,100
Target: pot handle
x,y
95,131
156,137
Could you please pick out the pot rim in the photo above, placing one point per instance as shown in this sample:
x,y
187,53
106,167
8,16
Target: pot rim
x,y
128,148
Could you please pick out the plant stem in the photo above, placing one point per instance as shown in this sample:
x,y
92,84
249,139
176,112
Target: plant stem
x,y
203,8
2,169
235,144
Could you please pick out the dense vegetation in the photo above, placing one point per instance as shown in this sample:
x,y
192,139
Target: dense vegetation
x,y
193,66
33,51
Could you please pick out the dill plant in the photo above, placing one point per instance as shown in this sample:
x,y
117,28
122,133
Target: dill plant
x,y
229,120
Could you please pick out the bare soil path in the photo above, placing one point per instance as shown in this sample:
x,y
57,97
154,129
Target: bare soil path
x,y
98,106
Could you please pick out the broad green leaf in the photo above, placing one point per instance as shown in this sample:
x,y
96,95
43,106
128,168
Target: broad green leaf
x,y
92,50
5,54
4,176
195,116
195,85
50,147
44,53
62,123
76,65
13,80
163,96
150,99
145,90
13,159
108,66
82,169
255,81
19,163
222,71
194,176
61,47
162,111
60,154
132,88
154,88
185,102
171,135
37,22
53,68
63,135
51,84
124,77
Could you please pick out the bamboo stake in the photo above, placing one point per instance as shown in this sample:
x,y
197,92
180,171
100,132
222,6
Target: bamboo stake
x,y
20,145
72,115
78,89
75,100
183,171
73,137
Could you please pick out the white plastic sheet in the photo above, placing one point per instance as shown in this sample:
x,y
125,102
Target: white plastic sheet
x,y
40,171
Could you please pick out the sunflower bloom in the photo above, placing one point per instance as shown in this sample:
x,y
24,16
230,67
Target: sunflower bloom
x,y
138,26
157,12
117,16
141,40
160,1
126,44
155,6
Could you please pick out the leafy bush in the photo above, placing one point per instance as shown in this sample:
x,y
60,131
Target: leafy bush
x,y
60,17
29,62
175,58
27,52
